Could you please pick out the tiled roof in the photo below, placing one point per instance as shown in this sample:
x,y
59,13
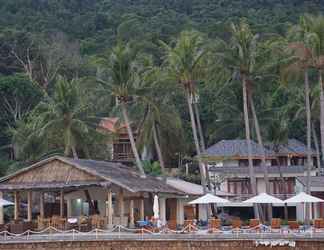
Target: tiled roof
x,y
293,147
236,148
315,181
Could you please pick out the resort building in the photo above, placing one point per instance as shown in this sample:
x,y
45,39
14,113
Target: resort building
x,y
115,193
227,163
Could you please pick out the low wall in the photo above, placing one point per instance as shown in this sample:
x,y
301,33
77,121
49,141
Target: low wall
x,y
159,245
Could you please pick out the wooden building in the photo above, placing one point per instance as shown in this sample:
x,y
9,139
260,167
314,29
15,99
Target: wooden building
x,y
68,187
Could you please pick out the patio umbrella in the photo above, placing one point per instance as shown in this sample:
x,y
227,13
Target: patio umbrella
x,y
302,197
263,198
209,199
4,202
156,214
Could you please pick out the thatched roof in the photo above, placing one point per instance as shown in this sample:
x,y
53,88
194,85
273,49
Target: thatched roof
x,y
100,173
234,149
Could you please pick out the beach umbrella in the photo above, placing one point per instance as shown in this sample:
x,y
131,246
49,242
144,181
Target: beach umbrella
x,y
263,198
209,199
4,202
156,214
302,197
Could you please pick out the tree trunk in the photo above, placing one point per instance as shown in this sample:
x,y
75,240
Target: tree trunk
x,y
263,158
132,141
74,152
309,129
318,157
194,132
248,139
202,145
158,150
321,113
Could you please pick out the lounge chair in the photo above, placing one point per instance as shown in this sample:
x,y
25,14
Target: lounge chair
x,y
214,225
189,226
318,224
275,225
172,225
97,221
254,225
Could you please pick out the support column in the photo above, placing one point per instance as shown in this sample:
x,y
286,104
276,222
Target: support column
x,y
121,205
180,212
109,208
131,214
16,209
69,208
142,216
162,204
29,205
41,205
1,210
62,203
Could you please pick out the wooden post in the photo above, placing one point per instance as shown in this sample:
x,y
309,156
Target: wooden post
x,y
121,206
142,216
109,208
131,214
29,206
62,203
16,212
41,205
1,210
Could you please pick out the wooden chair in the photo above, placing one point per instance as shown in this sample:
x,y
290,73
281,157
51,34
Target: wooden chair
x,y
214,225
58,222
275,224
236,224
84,224
254,224
172,225
189,226
97,221
293,225
318,224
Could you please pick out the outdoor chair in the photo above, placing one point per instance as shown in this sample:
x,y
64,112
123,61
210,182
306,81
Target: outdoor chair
x,y
318,224
214,225
276,224
97,221
236,225
293,225
58,222
254,224
84,224
189,226
172,225
43,222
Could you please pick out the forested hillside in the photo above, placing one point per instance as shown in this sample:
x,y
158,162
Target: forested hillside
x,y
52,51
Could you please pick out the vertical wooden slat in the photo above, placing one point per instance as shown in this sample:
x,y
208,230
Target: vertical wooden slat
x,y
109,208
62,203
16,198
29,206
121,205
41,205
131,213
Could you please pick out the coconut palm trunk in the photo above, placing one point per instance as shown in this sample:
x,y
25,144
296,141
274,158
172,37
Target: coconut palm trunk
x,y
74,152
202,143
309,129
132,140
321,113
196,141
248,139
318,154
263,155
158,149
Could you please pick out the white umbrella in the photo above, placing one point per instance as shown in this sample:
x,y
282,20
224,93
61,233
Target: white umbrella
x,y
209,199
302,197
156,214
263,198
4,202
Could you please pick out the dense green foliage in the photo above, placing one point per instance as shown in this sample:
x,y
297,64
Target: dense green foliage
x,y
40,41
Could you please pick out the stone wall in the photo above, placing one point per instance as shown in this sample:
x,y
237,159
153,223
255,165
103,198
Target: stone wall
x,y
158,245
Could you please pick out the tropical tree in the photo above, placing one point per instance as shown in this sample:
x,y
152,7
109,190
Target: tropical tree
x,y
184,64
64,116
121,78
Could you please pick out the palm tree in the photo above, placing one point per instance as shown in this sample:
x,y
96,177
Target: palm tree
x,y
64,114
123,83
312,30
239,58
184,62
